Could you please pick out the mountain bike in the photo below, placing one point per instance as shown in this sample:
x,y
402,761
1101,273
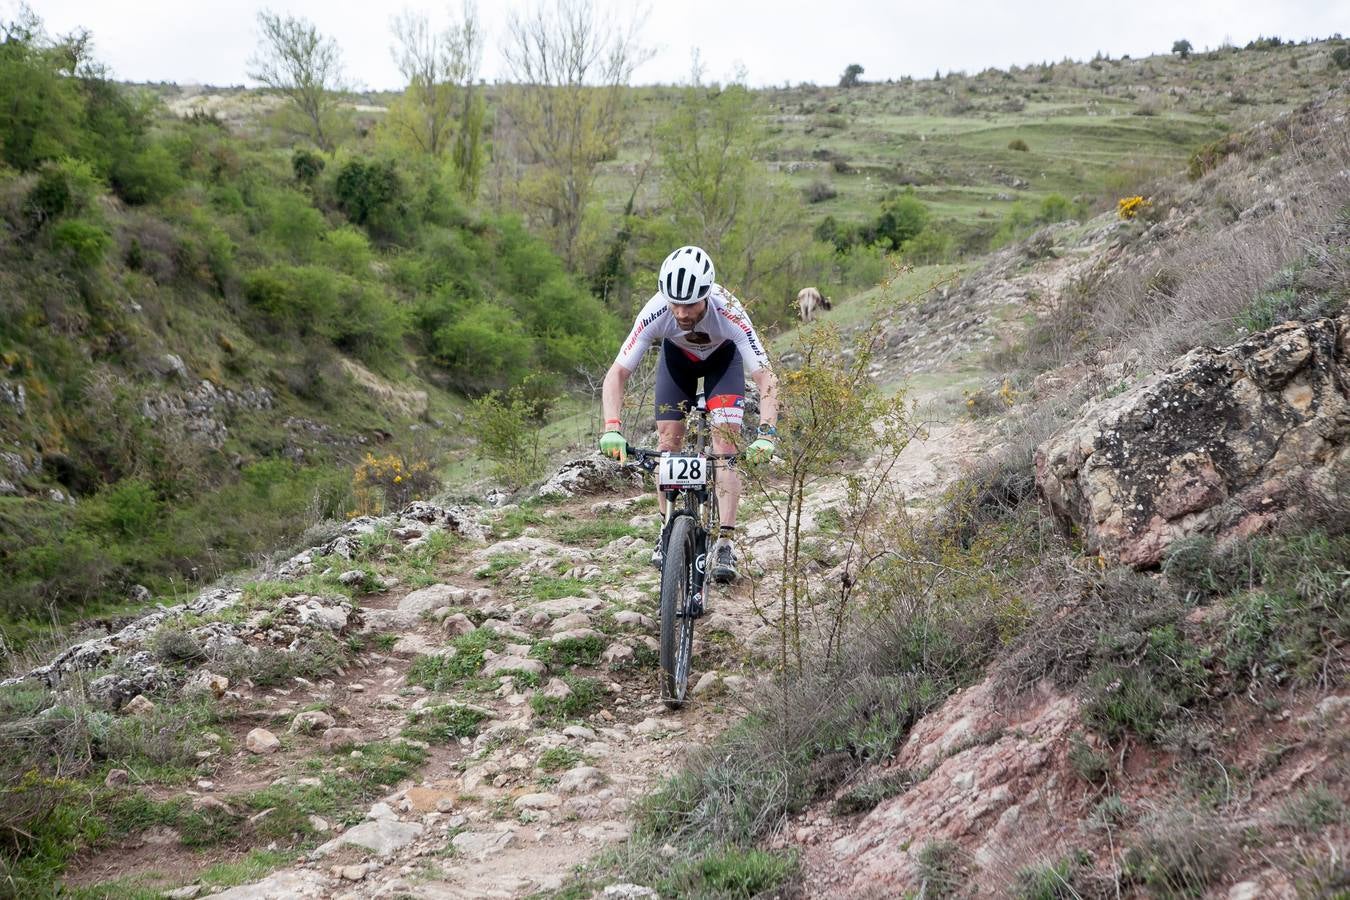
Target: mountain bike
x,y
689,482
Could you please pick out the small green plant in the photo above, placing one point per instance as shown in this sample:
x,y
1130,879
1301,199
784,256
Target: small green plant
x,y
866,796
576,651
1053,881
441,724
1019,145
1089,764
557,759
584,696
943,869
1313,810
443,672
733,873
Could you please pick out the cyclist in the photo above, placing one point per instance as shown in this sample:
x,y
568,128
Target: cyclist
x,y
705,333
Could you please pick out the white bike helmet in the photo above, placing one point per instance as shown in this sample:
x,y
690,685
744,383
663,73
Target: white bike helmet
x,y
686,276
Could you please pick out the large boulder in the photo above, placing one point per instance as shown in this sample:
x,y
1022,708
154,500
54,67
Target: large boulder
x,y
1221,443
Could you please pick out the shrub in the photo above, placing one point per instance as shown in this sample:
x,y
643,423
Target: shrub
x,y
733,873
1179,855
65,187
146,176
389,483
932,245
306,165
485,346
82,242
1062,880
1055,208
1340,58
509,435
371,194
819,191
1019,145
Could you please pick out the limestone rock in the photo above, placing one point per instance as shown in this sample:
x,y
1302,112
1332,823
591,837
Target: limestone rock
x,y
507,663
116,778
580,780
538,801
260,741
589,475
479,844
337,738
206,684
311,720
139,706
1221,443
437,596
380,836
288,884
457,625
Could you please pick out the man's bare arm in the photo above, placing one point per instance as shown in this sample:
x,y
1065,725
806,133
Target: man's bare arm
x,y
767,382
611,392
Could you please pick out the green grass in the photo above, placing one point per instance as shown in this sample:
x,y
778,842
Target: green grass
x,y
585,698
552,587
582,651
442,724
445,672
558,759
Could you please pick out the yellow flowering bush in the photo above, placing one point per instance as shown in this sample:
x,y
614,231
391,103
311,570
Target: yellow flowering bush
x,y
1129,207
387,483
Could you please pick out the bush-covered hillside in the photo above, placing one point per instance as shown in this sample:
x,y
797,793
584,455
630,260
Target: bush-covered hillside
x,y
200,333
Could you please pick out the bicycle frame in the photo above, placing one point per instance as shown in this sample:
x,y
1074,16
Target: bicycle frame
x,y
700,503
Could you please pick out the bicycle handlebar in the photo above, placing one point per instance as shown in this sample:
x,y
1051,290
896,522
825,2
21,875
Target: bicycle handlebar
x,y
647,458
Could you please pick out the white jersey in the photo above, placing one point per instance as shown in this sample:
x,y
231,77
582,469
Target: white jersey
x,y
725,320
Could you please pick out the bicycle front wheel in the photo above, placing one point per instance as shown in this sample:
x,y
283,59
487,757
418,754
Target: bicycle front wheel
x,y
677,623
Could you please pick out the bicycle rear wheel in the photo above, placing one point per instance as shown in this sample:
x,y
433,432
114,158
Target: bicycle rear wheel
x,y
677,624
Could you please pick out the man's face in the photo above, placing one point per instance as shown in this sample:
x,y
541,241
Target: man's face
x,y
687,314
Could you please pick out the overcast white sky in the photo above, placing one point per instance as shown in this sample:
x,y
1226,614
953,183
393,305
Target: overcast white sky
x,y
210,41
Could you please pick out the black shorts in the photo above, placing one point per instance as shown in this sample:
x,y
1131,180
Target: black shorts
x,y
723,384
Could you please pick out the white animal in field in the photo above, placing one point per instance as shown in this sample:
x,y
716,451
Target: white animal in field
x,y
808,301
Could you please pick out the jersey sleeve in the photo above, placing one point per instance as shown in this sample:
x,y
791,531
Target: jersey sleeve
x,y
743,335
645,329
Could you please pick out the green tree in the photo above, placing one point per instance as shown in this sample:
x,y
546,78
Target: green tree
x,y
303,65
720,195
440,69
1182,48
40,103
568,65
850,77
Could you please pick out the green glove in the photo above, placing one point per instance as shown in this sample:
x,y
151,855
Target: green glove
x,y
760,451
613,445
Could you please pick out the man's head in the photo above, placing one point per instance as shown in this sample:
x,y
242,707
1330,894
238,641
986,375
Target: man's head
x,y
686,277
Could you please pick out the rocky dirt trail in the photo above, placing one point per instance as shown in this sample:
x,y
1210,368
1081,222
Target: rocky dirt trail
x,y
514,669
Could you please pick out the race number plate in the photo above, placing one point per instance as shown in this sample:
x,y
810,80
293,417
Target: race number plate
x,y
682,472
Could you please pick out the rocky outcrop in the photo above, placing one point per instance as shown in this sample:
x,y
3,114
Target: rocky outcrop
x,y
986,773
200,408
590,475
1222,443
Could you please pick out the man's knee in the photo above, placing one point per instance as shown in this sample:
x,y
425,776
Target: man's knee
x,y
669,435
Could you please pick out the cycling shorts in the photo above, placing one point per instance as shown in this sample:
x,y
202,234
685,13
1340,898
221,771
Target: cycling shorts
x,y
723,384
